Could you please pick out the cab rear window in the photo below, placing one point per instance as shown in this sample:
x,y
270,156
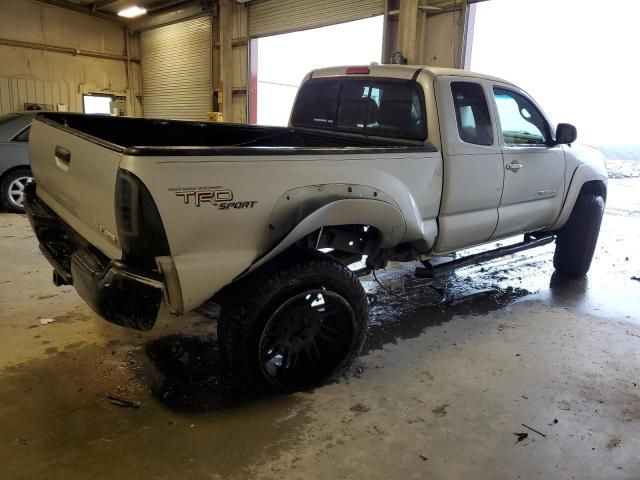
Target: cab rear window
x,y
383,108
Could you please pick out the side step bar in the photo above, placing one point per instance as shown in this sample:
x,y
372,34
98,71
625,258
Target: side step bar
x,y
530,241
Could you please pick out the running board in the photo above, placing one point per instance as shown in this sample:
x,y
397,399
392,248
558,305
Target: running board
x,y
529,241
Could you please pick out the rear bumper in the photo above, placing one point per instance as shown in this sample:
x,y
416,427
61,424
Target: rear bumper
x,y
119,293
116,292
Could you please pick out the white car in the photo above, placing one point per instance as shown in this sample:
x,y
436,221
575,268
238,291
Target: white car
x,y
15,171
388,162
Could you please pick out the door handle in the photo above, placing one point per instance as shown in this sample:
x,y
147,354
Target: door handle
x,y
514,166
63,158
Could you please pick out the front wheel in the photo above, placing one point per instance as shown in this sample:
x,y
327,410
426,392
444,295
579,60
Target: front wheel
x,y
12,189
576,242
293,328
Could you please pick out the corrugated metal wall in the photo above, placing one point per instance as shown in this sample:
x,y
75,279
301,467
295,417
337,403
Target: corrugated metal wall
x,y
176,70
268,17
16,92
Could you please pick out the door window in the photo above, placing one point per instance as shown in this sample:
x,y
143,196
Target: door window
x,y
472,113
521,122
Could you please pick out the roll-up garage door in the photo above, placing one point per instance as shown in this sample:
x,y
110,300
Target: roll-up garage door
x,y
268,17
176,70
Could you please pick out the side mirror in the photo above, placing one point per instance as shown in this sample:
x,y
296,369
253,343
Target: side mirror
x,y
566,133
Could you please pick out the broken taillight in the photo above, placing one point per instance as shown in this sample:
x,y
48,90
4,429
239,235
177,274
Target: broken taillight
x,y
140,229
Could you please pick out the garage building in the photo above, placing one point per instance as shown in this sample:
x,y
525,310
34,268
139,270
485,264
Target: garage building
x,y
499,368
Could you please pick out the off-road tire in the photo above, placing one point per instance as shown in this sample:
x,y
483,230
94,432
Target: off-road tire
x,y
248,305
5,185
576,241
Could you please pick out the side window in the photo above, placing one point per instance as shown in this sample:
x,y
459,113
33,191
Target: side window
x,y
472,113
23,136
521,122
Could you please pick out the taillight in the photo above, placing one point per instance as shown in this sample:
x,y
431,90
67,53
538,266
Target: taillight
x,y
126,204
140,230
357,71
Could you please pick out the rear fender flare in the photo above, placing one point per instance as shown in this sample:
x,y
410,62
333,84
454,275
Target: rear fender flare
x,y
386,218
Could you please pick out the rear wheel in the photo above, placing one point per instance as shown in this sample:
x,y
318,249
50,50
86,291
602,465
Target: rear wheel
x,y
576,242
12,189
293,328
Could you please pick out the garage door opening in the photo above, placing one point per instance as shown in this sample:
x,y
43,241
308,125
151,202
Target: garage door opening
x,y
565,68
279,62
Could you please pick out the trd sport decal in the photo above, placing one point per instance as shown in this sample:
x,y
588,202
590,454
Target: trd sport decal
x,y
215,196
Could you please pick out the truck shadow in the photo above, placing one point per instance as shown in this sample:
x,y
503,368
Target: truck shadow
x,y
572,289
393,320
188,374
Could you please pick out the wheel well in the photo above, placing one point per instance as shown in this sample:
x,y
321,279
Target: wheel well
x,y
358,239
595,187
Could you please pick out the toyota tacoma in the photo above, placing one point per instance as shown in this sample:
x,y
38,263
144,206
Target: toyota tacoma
x,y
378,163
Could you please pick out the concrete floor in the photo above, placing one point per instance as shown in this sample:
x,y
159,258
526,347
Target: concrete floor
x,y
437,393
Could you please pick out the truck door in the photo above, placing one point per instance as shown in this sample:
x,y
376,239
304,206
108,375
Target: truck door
x,y
473,168
534,168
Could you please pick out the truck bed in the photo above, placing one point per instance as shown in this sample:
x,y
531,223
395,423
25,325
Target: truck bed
x,y
124,133
215,197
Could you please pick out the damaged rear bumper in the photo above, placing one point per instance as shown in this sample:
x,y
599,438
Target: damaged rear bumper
x,y
119,293
116,292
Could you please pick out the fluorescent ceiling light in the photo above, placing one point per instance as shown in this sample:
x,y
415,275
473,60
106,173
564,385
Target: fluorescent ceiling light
x,y
132,12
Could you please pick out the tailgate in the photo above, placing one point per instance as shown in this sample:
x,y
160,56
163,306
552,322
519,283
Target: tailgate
x,y
76,177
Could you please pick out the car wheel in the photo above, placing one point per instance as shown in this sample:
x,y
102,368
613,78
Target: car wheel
x,y
576,242
293,328
12,189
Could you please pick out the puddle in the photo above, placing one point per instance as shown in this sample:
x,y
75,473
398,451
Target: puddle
x,y
402,309
490,286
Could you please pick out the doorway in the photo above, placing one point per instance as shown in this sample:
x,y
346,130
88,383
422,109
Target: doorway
x,y
280,62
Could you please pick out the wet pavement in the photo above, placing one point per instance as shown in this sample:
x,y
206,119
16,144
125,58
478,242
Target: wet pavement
x,y
439,392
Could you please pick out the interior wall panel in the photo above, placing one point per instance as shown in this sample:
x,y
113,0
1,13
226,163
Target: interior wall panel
x,y
40,76
441,39
15,93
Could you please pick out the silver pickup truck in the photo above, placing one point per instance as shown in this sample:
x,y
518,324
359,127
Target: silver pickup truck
x,y
378,163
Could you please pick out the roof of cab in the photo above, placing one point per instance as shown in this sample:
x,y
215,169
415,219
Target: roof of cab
x,y
401,71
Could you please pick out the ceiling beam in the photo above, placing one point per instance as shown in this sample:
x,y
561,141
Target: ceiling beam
x,y
66,50
181,11
102,4
80,9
